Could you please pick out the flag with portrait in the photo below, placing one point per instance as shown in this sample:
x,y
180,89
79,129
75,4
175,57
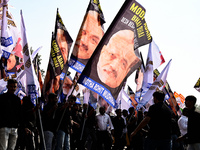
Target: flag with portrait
x,y
57,67
115,57
10,38
90,33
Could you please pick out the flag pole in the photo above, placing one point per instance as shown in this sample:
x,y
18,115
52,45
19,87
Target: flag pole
x,y
40,121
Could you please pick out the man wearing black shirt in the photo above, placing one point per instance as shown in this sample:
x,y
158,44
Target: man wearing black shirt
x,y
193,130
159,120
10,116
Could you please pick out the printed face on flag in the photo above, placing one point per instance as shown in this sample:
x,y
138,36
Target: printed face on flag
x,y
116,58
63,45
89,36
67,85
11,62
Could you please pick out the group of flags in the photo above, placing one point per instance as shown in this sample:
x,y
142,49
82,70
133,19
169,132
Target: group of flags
x,y
102,61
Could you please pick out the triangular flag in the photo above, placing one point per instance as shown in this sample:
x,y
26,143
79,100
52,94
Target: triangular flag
x,y
158,84
28,65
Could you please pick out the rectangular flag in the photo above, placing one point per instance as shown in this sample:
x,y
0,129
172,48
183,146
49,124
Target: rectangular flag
x,y
58,60
90,33
115,57
197,85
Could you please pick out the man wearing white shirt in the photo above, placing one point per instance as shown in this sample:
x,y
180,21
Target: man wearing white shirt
x,y
103,137
183,121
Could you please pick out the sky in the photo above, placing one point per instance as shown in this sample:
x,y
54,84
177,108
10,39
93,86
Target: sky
x,y
174,26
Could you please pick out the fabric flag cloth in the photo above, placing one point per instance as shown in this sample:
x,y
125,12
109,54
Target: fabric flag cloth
x,y
8,37
115,59
197,85
131,95
58,60
90,33
158,84
130,91
138,80
10,42
78,101
31,78
157,56
180,100
154,60
123,101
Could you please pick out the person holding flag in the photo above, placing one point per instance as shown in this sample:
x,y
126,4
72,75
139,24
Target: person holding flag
x,y
159,119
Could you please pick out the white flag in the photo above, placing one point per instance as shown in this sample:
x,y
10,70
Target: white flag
x,y
157,57
9,31
158,84
123,101
28,65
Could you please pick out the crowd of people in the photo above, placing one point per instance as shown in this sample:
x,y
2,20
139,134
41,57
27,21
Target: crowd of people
x,y
72,126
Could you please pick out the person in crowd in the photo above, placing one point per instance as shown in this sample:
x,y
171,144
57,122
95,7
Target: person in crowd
x,y
183,123
131,125
76,127
48,120
63,124
175,132
103,120
159,119
117,58
88,137
119,125
193,130
29,130
125,134
10,116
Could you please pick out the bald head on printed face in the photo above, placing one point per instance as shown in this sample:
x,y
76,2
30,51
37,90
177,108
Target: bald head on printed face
x,y
117,58
89,36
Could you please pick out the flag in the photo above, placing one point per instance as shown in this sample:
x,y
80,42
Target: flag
x,y
90,33
154,60
58,60
10,39
157,56
197,85
114,59
131,95
28,65
148,72
78,101
130,91
9,31
180,100
138,80
158,84
123,101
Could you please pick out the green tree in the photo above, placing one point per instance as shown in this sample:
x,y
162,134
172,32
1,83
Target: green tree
x,y
38,60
